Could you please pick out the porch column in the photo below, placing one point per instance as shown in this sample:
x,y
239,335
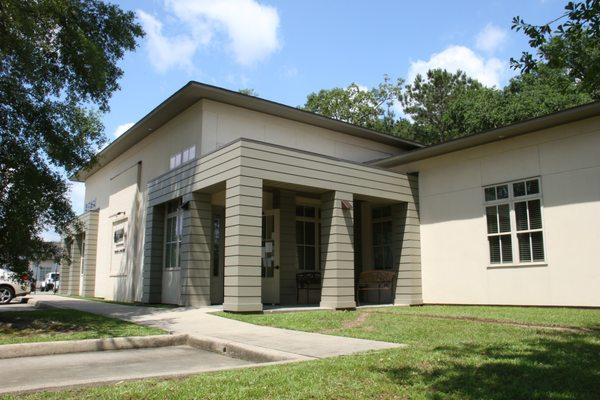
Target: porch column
x,y
243,240
196,250
153,254
407,249
75,267
337,251
65,267
89,258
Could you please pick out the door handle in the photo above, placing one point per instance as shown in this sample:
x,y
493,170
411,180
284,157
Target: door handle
x,y
276,267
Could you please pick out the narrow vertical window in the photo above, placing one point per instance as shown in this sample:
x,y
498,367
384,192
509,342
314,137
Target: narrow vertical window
x,y
307,238
383,257
173,228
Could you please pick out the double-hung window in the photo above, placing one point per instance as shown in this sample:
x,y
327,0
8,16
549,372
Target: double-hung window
x,y
173,229
382,238
513,213
307,237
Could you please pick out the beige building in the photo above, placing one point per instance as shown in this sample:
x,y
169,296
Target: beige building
x,y
221,198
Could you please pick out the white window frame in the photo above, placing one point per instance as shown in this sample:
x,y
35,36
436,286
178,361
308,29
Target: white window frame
x,y
511,200
188,154
178,214
317,221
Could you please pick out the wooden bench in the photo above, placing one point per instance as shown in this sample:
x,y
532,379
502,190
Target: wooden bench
x,y
375,280
307,281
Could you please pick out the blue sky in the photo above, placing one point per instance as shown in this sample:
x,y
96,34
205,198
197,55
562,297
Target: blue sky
x,y
287,49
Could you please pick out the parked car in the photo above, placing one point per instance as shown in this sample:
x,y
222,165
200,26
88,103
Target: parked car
x,y
51,282
11,286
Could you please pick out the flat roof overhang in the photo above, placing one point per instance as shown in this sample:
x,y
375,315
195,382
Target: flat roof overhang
x,y
194,91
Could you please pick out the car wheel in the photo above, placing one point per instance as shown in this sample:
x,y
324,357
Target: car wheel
x,y
6,294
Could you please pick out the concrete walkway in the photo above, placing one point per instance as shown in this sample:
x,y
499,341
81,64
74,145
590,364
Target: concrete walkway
x,y
48,372
199,321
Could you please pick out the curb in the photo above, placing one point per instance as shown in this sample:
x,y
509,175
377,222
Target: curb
x,y
243,351
88,345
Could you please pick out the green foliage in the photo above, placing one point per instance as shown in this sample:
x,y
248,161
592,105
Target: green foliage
x,y
57,73
533,94
249,92
572,46
427,101
370,108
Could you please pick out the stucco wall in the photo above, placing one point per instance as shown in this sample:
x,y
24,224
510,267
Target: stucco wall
x,y
222,124
455,260
208,125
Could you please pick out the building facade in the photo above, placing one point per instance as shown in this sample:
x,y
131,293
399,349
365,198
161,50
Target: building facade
x,y
220,198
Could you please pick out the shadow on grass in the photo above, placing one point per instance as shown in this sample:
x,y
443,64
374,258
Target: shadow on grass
x,y
566,366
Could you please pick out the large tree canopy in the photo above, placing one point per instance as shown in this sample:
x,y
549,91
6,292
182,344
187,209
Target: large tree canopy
x,y
427,101
440,105
58,70
570,43
372,108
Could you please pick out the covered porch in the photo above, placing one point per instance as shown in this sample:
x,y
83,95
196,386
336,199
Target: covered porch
x,y
246,224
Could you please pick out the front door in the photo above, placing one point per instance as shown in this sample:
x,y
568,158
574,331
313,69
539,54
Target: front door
x,y
270,257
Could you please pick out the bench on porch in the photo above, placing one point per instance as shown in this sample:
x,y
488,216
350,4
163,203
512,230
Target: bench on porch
x,y
307,281
375,280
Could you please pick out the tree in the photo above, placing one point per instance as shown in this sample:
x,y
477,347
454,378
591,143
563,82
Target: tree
x,y
427,101
370,108
529,95
249,92
57,73
572,46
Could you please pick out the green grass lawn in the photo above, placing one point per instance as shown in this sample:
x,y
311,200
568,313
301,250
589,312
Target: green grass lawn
x,y
446,359
51,325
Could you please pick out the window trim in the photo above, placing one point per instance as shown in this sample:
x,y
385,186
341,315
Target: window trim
x,y
511,200
381,220
178,214
317,221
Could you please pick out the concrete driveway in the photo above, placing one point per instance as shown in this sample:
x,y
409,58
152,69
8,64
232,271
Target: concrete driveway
x,y
47,372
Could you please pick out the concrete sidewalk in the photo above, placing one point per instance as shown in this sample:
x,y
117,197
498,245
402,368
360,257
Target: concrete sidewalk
x,y
199,321
55,371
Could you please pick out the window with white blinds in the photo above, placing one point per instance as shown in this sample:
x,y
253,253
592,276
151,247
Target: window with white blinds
x,y
513,214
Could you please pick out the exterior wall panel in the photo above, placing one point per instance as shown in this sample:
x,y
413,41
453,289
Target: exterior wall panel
x,y
454,246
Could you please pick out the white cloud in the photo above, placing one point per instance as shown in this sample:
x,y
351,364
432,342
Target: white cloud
x,y
491,38
121,129
248,29
487,71
251,27
166,52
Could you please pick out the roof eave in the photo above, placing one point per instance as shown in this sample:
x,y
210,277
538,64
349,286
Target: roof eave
x,y
194,91
520,128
